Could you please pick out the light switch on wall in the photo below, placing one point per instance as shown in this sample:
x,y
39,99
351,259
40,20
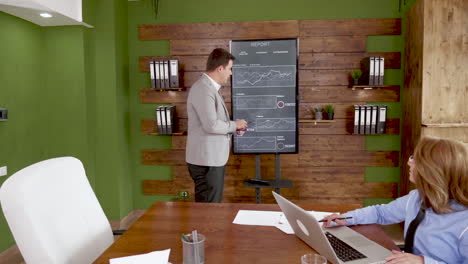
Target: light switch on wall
x,y
3,171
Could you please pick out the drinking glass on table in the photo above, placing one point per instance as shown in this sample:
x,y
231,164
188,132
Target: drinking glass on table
x,y
312,258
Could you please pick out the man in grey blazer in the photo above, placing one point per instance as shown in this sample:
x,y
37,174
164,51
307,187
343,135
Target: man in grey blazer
x,y
210,128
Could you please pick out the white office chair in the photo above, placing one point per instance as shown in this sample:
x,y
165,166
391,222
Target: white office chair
x,y
54,214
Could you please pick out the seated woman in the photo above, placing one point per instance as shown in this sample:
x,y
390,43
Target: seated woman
x,y
439,169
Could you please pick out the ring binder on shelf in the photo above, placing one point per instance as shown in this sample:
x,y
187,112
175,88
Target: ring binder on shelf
x,y
382,119
174,73
152,74
381,71
374,119
362,119
158,74
372,71
356,119
166,74
368,118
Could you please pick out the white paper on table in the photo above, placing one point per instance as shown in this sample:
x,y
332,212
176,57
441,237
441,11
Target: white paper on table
x,y
260,218
271,218
284,225
155,257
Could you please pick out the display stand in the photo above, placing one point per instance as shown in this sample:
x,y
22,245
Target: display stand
x,y
276,183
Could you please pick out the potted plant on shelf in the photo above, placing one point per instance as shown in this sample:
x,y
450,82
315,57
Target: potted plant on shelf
x,y
318,114
356,74
330,110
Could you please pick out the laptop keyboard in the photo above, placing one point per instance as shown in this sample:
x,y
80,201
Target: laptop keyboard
x,y
344,251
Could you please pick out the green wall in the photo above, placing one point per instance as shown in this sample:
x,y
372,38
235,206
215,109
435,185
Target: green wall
x,y
66,89
182,11
20,86
41,83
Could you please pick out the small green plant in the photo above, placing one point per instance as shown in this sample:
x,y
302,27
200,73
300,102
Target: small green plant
x,y
356,74
329,109
318,113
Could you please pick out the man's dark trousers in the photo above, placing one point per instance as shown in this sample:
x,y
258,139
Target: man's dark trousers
x,y
209,183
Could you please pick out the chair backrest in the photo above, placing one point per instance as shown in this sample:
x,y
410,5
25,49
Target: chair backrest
x,y
54,214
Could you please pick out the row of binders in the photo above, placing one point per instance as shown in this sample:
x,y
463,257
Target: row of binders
x,y
376,70
165,117
370,119
164,74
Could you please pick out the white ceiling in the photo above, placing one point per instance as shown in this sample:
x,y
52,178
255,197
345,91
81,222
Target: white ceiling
x,y
64,12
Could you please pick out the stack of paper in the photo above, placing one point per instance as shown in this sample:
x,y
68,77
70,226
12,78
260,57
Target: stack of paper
x,y
270,218
155,257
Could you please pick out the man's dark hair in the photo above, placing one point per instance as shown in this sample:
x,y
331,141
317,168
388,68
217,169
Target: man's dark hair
x,y
218,57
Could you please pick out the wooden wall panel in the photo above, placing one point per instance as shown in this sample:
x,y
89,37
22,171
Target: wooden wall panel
x,y
310,61
220,30
341,110
324,77
332,44
304,191
322,95
307,142
191,77
456,133
338,127
306,78
344,127
349,27
359,190
349,61
445,77
412,89
323,158
348,158
186,63
330,142
153,96
181,109
197,46
333,183
177,157
331,161
148,126
306,45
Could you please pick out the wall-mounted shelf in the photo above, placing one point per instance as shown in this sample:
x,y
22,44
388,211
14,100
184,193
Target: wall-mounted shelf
x,y
370,87
181,133
282,183
316,121
179,89
446,125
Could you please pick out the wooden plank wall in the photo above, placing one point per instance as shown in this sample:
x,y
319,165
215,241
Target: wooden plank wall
x,y
331,163
435,77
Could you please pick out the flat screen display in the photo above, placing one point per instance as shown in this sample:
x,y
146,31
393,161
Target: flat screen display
x,y
264,93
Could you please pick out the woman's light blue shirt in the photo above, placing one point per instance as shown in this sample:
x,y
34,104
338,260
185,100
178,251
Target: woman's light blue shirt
x,y
440,238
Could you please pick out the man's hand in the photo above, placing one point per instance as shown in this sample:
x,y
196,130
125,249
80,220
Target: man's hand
x,y
241,124
402,258
331,220
240,132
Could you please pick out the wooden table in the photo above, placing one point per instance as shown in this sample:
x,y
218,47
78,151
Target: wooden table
x,y
161,227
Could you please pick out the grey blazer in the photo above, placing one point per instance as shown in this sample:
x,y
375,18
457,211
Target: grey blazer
x,y
209,126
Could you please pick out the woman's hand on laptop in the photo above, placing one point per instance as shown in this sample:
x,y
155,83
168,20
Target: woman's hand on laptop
x,y
402,257
333,220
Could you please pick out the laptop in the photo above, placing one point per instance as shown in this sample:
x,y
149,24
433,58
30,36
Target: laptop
x,y
338,244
